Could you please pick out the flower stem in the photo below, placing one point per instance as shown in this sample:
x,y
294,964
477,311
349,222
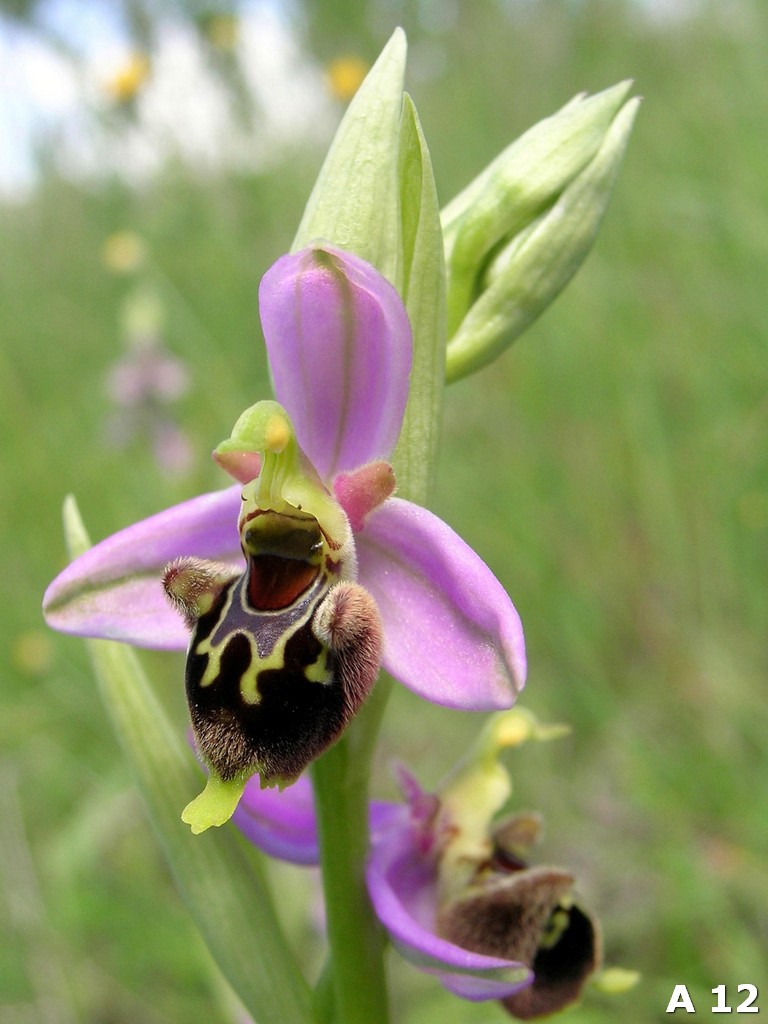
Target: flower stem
x,y
341,803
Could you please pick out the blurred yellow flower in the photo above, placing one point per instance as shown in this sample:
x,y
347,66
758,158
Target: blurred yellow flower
x,y
123,252
129,78
344,75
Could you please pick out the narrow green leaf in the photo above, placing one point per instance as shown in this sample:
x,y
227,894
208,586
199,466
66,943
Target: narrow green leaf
x,y
421,282
221,885
354,203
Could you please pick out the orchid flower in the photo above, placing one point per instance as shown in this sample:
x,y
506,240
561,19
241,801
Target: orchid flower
x,y
309,566
451,883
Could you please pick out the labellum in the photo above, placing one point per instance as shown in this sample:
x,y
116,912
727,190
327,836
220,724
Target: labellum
x,y
284,653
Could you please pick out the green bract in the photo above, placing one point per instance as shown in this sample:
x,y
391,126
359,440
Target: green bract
x,y
517,234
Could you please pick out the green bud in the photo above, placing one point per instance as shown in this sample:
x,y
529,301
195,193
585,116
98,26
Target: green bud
x,y
517,234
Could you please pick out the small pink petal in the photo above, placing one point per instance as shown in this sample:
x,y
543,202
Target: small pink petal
x,y
362,490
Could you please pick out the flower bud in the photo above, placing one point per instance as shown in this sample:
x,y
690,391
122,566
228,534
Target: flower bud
x,y
517,234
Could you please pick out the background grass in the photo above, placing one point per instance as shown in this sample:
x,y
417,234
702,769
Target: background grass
x,y
612,469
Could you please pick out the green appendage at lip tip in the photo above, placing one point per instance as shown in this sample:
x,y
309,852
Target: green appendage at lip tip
x,y
215,805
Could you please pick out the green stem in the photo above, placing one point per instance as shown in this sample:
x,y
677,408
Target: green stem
x,y
355,936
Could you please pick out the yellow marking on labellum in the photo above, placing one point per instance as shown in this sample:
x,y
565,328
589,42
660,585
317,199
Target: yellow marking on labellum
x,y
214,652
205,603
317,672
555,927
275,660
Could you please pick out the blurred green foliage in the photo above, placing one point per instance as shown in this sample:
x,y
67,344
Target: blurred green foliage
x,y
612,469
